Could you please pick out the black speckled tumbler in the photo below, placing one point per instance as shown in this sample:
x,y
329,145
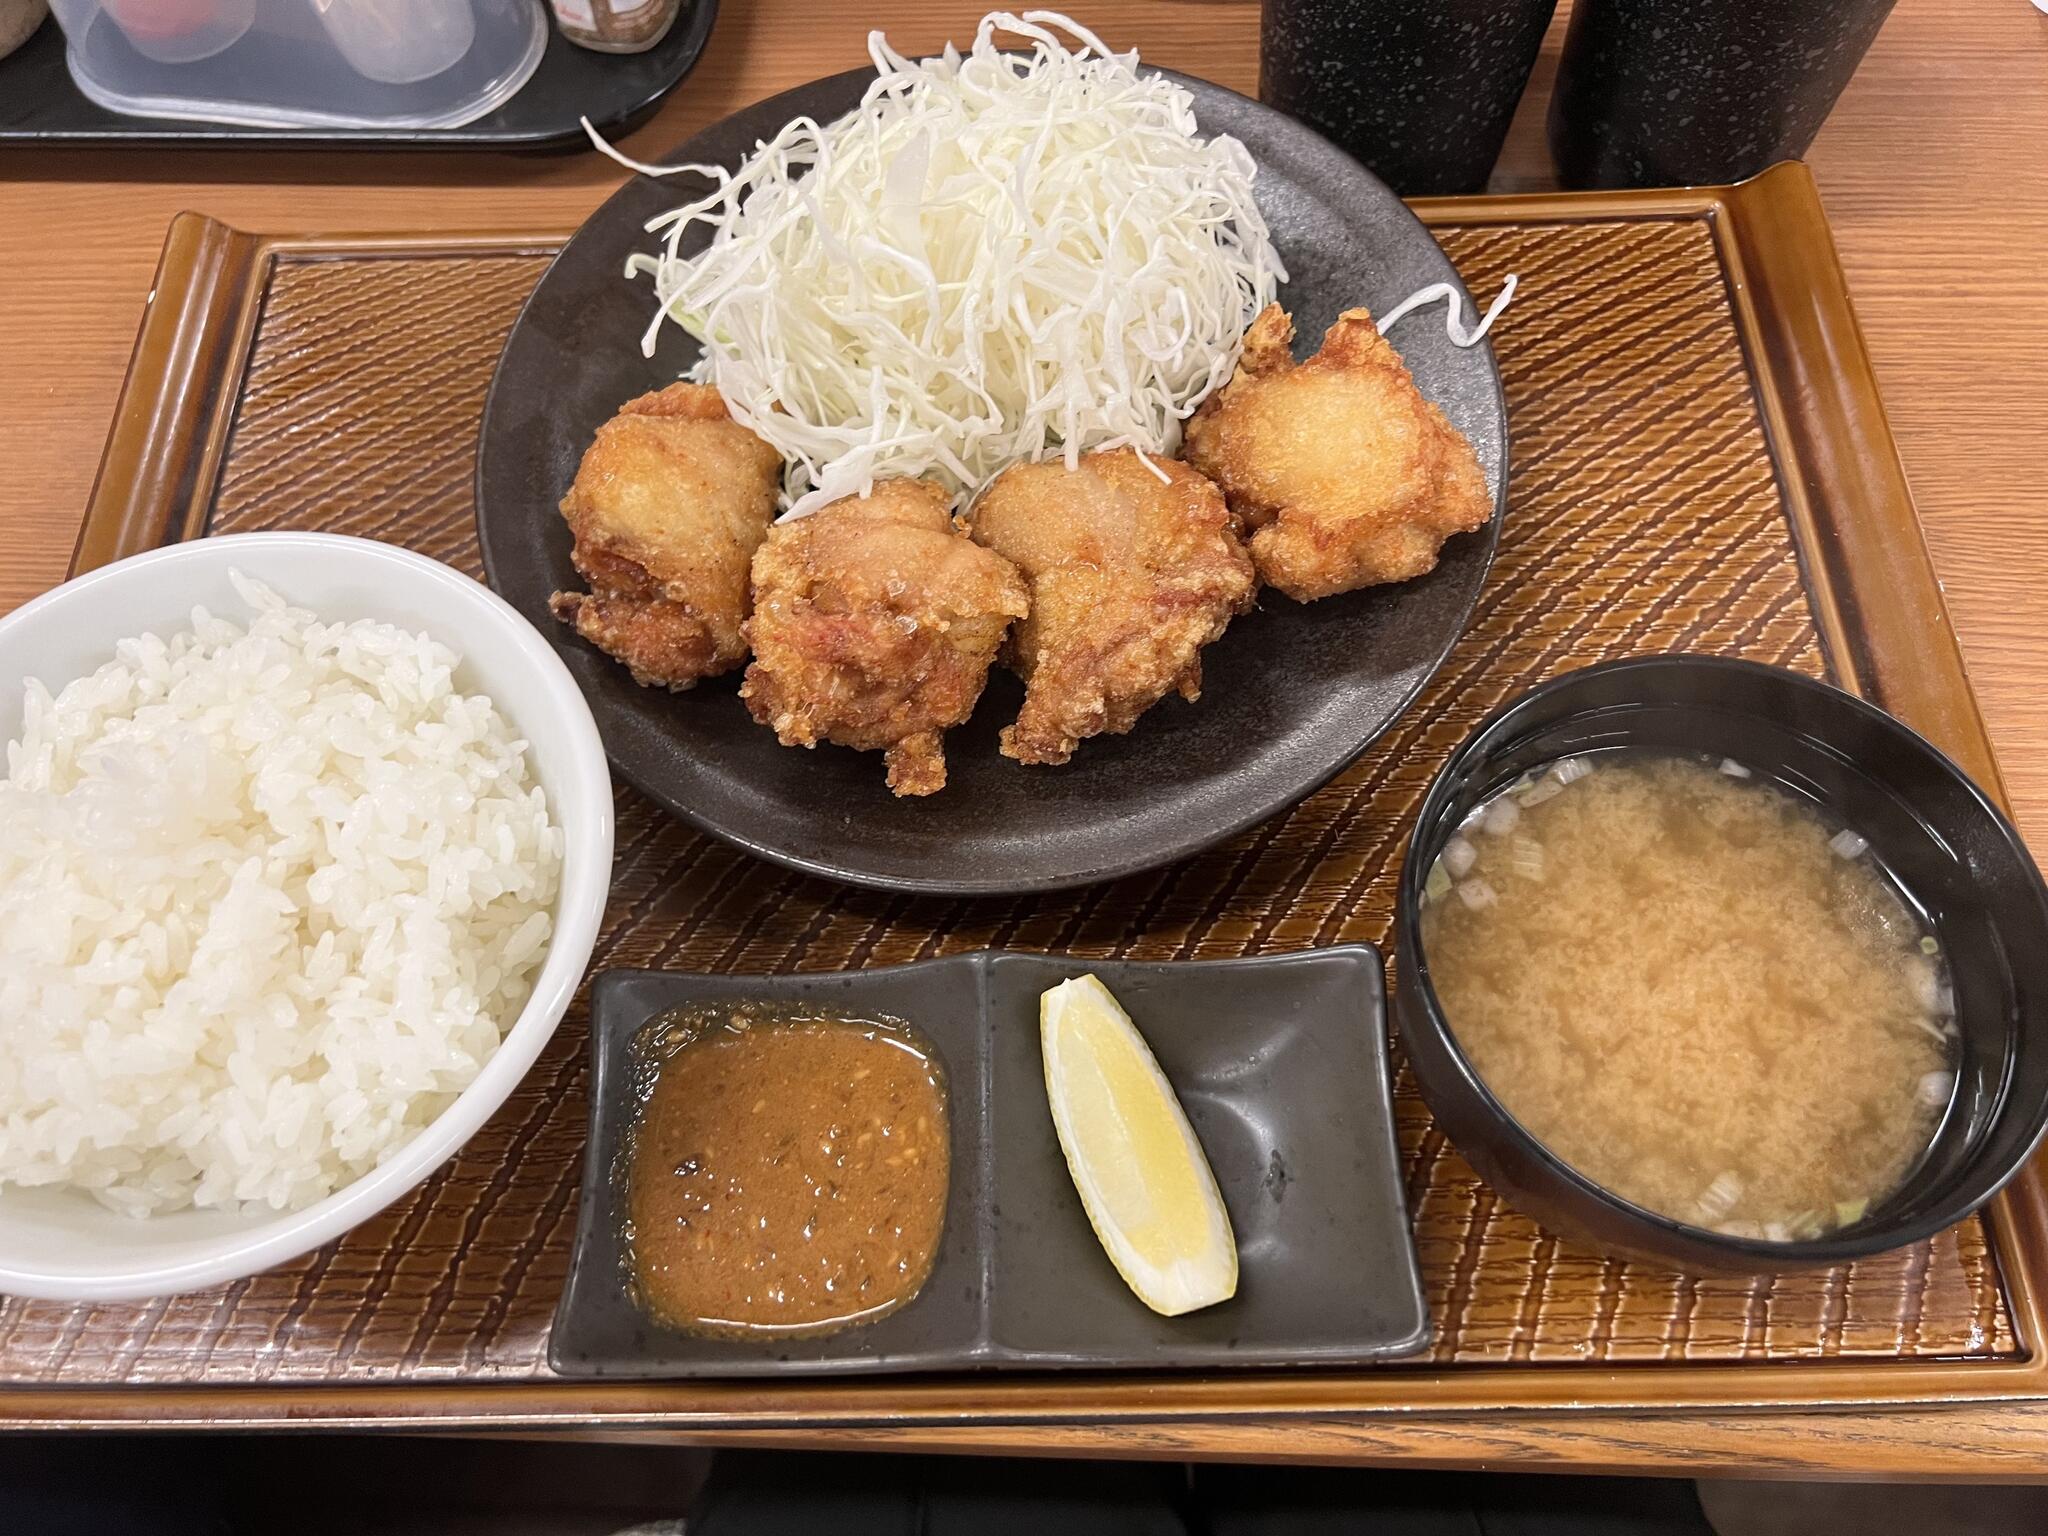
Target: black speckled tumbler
x,y
1656,93
1419,90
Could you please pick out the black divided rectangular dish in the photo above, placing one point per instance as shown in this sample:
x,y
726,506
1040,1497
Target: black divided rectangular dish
x,y
1280,1062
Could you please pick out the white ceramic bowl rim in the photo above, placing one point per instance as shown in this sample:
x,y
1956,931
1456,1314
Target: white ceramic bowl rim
x,y
579,908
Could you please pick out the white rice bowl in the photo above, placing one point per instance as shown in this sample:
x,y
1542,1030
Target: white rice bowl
x,y
266,894
285,915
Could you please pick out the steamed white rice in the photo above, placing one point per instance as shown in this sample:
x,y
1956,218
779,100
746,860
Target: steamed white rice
x,y
268,898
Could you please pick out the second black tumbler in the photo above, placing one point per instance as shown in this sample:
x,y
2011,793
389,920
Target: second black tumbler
x,y
1655,93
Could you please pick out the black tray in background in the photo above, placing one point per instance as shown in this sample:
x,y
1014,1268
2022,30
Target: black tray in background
x,y
40,106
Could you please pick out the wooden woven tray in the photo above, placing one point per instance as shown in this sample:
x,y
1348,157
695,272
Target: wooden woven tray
x,y
1701,463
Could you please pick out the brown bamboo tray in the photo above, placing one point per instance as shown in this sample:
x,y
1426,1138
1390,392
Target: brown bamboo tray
x,y
1701,463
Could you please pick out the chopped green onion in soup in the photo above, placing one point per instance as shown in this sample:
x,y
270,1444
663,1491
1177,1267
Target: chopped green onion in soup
x,y
1695,990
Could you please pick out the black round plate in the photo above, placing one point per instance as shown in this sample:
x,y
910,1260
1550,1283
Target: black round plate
x,y
1290,694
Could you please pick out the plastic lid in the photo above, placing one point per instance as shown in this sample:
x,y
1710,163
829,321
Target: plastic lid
x,y
384,64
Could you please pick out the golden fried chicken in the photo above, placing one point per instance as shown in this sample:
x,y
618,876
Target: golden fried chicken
x,y
875,621
1345,476
1129,579
668,506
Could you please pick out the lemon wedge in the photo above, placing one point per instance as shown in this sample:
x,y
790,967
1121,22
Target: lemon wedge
x,y
1140,1171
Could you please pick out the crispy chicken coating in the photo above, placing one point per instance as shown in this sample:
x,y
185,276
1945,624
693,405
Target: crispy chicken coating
x,y
668,506
874,625
1129,579
1344,474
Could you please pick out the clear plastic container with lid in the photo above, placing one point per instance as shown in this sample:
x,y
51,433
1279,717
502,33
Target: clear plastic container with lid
x,y
382,64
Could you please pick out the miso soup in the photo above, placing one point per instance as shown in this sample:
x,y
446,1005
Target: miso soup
x,y
1694,990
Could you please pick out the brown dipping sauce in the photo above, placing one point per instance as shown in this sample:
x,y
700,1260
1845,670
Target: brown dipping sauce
x,y
787,1170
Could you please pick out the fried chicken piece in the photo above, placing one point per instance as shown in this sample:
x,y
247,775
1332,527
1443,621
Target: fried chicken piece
x,y
1129,579
668,506
1344,474
875,621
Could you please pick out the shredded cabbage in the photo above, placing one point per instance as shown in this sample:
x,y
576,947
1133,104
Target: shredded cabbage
x,y
996,257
